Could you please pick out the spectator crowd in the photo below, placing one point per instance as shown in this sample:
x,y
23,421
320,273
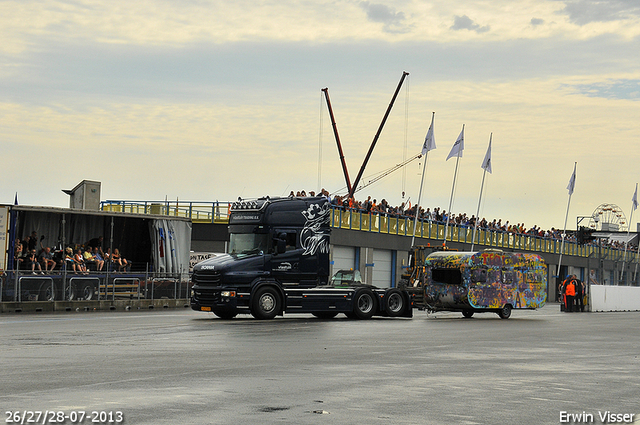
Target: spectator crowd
x,y
31,254
406,210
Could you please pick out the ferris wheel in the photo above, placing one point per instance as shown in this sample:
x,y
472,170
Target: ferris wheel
x,y
608,218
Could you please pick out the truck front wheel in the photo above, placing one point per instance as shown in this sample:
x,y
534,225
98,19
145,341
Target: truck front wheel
x,y
266,303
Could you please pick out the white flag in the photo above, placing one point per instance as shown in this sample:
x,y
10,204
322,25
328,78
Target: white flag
x,y
430,140
458,146
572,181
634,200
486,164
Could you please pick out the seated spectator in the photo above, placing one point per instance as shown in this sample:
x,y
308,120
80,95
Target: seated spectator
x,y
89,259
79,262
99,260
69,261
46,259
116,258
32,261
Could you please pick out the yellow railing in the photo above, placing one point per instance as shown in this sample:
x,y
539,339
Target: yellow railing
x,y
218,212
355,220
198,212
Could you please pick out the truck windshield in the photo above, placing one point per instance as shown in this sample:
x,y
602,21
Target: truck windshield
x,y
241,244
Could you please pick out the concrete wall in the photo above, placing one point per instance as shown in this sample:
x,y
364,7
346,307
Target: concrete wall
x,y
614,298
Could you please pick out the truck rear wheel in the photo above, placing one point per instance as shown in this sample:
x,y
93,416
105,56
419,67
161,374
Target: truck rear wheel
x,y
394,303
266,303
364,304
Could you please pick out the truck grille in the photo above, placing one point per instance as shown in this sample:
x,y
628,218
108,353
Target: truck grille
x,y
206,295
206,286
207,278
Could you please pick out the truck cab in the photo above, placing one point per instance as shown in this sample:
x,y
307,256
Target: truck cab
x,y
278,262
275,243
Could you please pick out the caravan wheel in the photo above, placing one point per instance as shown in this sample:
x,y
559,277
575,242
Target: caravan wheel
x,y
505,312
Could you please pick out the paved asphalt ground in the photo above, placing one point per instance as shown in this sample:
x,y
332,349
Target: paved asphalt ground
x,y
186,367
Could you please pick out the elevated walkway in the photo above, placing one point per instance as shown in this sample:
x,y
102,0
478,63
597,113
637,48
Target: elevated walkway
x,y
218,213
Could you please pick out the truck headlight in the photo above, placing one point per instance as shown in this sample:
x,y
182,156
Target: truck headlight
x,y
228,294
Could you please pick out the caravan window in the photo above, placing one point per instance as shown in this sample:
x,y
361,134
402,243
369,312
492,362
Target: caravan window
x,y
479,275
494,276
510,277
447,276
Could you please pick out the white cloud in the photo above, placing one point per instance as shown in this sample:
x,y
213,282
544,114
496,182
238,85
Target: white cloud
x,y
394,22
583,12
465,23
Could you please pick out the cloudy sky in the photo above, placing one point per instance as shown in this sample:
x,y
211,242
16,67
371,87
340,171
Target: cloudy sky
x,y
210,100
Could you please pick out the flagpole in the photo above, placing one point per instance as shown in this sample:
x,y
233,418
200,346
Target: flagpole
x,y
637,256
475,225
415,219
446,226
427,147
455,173
572,183
486,164
626,243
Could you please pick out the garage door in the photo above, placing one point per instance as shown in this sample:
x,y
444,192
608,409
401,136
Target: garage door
x,y
343,257
381,268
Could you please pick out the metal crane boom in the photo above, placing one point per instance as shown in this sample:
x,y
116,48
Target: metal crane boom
x,y
375,139
387,172
335,133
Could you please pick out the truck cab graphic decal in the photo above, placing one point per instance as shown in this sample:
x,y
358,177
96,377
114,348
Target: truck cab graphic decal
x,y
315,232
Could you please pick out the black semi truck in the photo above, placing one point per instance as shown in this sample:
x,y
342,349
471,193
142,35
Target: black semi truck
x,y
278,262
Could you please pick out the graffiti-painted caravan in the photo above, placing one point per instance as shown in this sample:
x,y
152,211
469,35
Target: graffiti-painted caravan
x,y
278,262
485,281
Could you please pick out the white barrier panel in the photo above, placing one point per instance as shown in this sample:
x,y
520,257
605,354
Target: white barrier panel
x,y
615,298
